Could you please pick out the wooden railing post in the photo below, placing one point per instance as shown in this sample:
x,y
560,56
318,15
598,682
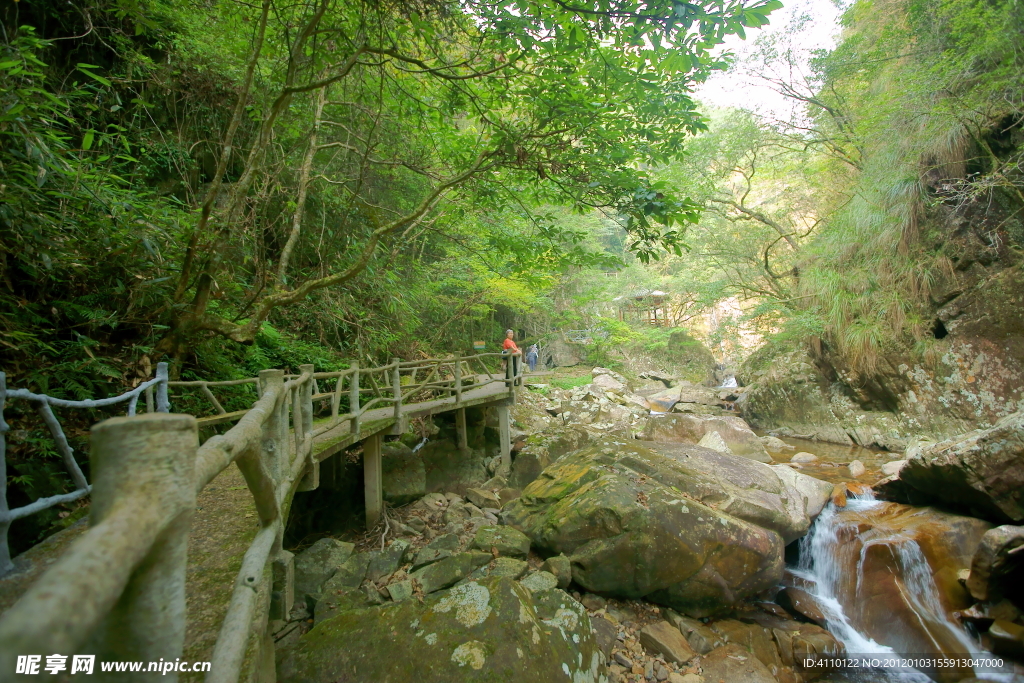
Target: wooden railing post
x,y
458,380
147,453
274,445
396,387
353,398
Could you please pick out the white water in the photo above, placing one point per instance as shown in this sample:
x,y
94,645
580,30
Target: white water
x,y
818,553
729,383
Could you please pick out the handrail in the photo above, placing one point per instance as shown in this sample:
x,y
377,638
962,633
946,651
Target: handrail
x,y
148,528
43,407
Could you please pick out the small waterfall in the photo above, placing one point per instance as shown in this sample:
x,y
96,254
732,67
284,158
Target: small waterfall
x,y
729,383
828,553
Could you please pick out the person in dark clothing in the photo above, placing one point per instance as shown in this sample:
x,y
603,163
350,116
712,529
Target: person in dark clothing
x,y
531,358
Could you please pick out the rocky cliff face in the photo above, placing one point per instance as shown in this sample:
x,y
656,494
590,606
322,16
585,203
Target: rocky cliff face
x,y
960,366
972,375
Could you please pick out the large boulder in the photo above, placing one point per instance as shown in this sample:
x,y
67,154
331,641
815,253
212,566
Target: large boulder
x,y
609,380
980,473
997,569
502,540
736,433
318,563
449,469
403,475
734,663
682,397
688,358
811,493
789,394
683,525
543,449
557,353
489,630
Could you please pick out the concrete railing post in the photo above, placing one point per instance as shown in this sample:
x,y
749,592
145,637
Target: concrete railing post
x,y
274,447
509,374
372,484
460,428
5,523
303,428
283,592
353,398
505,434
152,456
163,404
396,387
306,401
458,380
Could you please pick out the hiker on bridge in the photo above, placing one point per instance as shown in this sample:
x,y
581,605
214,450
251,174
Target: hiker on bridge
x,y
509,348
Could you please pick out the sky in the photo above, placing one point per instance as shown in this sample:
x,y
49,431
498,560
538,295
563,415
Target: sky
x,y
734,89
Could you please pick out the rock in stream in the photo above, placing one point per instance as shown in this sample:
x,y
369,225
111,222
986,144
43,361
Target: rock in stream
x,y
683,525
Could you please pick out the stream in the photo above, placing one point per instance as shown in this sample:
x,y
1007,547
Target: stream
x,y
885,576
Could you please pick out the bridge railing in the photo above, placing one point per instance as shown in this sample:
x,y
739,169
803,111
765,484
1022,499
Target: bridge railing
x,y
119,591
44,407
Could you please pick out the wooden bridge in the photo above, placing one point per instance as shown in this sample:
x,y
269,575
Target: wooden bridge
x,y
119,590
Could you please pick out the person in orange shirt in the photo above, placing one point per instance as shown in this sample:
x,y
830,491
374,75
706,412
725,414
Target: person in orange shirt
x,y
509,348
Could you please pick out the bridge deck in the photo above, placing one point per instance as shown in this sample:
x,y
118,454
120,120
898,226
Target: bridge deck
x,y
380,419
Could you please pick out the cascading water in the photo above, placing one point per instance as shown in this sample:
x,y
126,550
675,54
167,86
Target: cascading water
x,y
831,569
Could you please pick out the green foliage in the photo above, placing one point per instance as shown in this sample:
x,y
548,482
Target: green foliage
x,y
572,382
923,118
458,166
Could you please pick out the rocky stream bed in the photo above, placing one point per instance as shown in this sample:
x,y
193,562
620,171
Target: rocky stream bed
x,y
654,536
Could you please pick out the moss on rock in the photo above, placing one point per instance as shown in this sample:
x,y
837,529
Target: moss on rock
x,y
491,630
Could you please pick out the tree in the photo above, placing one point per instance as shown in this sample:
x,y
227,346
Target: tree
x,y
487,103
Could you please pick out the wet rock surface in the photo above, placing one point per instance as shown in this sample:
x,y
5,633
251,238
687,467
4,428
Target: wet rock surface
x,y
997,568
981,472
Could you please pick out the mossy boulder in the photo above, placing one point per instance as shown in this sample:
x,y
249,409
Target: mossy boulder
x,y
403,474
318,563
682,525
544,448
505,540
491,630
690,359
448,571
